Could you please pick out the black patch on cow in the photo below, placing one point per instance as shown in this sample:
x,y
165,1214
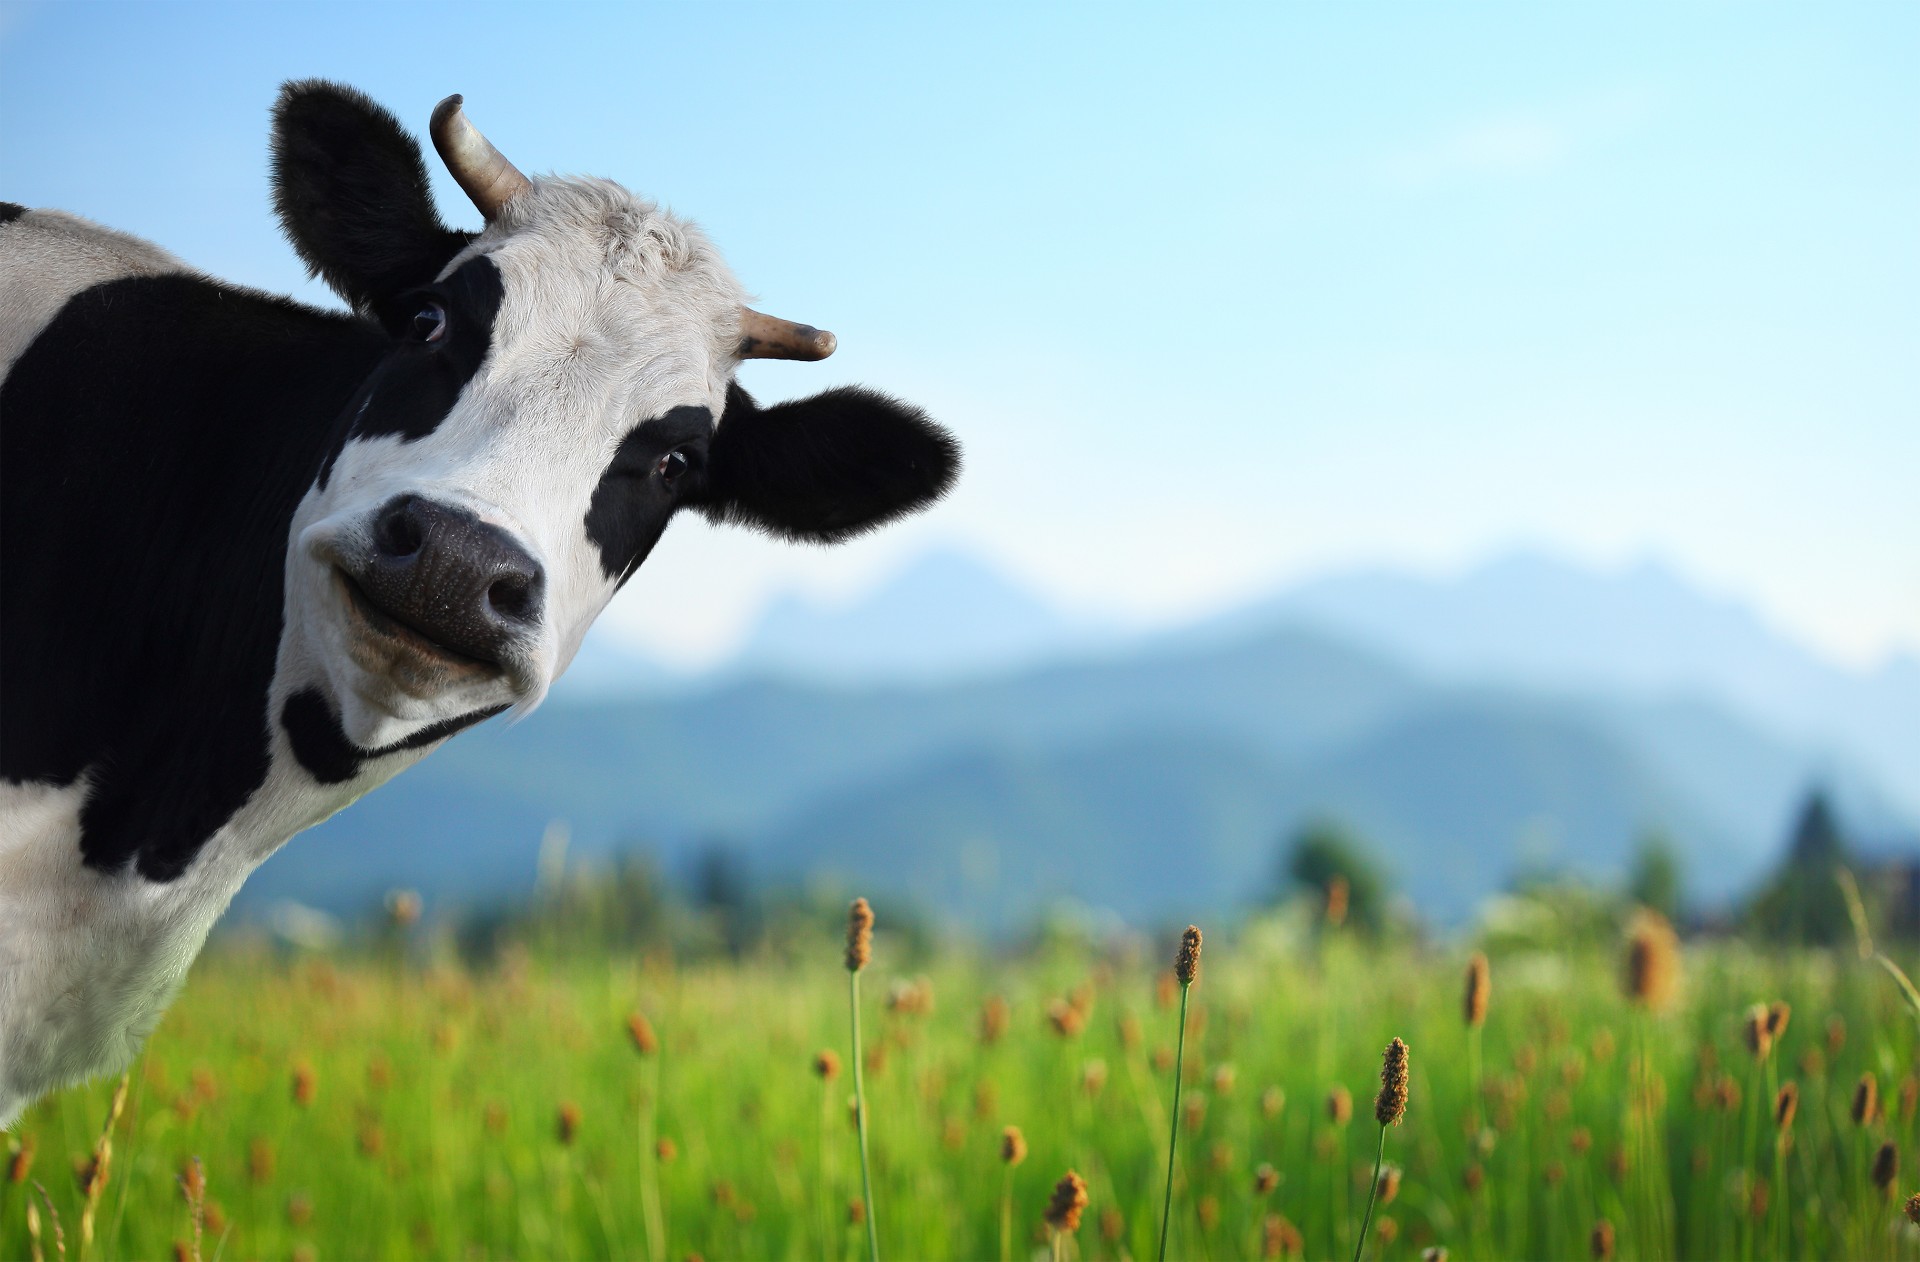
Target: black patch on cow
x,y
322,747
414,389
158,435
10,211
351,190
825,468
632,504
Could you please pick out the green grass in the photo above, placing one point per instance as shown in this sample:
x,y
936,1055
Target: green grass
x,y
433,1131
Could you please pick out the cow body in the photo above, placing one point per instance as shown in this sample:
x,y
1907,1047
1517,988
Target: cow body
x,y
257,557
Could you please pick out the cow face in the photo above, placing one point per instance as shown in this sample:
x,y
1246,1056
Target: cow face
x,y
549,393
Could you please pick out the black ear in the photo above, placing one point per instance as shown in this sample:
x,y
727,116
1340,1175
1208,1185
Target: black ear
x,y
352,194
826,468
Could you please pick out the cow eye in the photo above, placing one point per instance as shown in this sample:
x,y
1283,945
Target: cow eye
x,y
671,466
429,322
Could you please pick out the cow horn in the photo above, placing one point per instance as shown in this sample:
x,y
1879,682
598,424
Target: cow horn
x,y
489,179
769,337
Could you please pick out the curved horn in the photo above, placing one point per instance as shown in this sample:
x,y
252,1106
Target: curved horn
x,y
769,337
489,179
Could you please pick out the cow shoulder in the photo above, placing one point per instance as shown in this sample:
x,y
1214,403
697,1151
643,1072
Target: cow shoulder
x,y
48,256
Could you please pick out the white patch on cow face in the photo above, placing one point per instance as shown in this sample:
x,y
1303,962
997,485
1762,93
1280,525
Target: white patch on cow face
x,y
613,313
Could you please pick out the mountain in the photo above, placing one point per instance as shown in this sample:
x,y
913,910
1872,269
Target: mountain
x,y
946,614
1158,779
1537,622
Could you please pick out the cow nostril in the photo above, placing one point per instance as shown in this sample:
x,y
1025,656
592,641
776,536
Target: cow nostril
x,y
511,596
397,533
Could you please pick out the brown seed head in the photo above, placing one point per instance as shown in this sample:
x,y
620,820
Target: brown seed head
x,y
1434,1253
1653,961
1065,1019
1339,1106
1223,1079
1473,1177
1388,1229
1913,1209
640,1030
1339,895
859,935
21,1163
1186,964
1836,1034
1388,1185
1785,1105
1479,989
1013,1146
826,1064
1581,1141
1756,1033
1272,1100
1779,1012
1068,1202
1866,1099
994,1016
665,1150
1391,1104
856,1211
567,1124
1279,1238
1886,1167
1601,1242
303,1084
1909,1096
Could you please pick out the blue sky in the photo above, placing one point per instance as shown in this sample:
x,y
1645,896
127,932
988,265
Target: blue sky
x,y
1218,297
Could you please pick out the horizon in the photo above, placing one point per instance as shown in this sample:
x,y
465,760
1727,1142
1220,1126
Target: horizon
x,y
1509,279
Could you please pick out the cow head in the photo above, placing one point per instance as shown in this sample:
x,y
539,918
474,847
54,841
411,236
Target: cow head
x,y
552,390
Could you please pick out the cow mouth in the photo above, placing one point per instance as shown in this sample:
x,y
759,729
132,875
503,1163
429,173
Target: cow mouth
x,y
371,619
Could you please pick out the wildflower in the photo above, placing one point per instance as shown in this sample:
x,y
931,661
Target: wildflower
x,y
1785,1105
640,1030
993,1020
21,1163
1886,1167
1756,1032
1068,1203
1479,990
303,1084
1186,965
1866,1099
859,935
1339,894
1653,961
1279,1238
1391,1104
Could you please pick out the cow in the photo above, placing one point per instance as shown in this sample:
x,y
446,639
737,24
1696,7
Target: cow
x,y
257,557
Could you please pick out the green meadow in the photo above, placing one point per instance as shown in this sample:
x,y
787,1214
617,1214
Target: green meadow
x,y
404,1105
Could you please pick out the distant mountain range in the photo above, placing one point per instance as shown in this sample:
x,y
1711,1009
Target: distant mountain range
x,y
1009,756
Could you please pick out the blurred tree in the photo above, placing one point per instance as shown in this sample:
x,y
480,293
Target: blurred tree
x,y
1802,902
1655,879
722,888
1324,849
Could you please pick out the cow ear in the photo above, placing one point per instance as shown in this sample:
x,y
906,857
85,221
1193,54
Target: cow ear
x,y
826,468
352,194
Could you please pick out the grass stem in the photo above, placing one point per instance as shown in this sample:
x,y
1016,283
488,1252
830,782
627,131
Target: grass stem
x,y
860,1107
1173,1131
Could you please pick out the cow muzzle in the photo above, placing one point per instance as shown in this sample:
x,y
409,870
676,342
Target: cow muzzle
x,y
437,596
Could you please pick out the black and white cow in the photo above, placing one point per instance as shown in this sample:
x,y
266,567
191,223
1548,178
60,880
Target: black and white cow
x,y
256,557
